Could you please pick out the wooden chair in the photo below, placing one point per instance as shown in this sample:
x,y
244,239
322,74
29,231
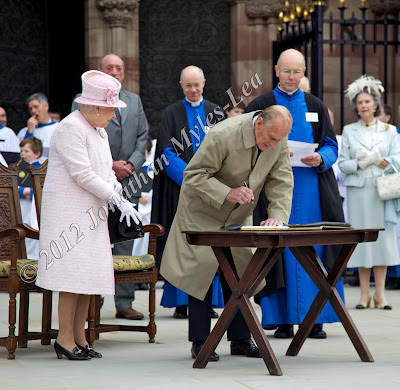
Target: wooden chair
x,y
38,175
13,262
145,273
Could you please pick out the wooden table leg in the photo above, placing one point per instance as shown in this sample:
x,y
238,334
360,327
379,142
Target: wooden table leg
x,y
260,338
351,329
240,300
327,292
255,328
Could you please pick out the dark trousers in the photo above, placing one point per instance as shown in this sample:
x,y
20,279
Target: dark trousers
x,y
124,293
200,320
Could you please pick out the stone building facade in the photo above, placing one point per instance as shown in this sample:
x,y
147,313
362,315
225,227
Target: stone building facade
x,y
232,40
113,26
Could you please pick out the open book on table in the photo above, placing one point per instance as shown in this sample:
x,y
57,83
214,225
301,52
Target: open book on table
x,y
324,225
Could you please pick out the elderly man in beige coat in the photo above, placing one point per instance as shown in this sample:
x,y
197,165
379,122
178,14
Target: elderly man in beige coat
x,y
238,158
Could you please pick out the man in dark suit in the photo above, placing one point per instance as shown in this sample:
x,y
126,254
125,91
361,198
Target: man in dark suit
x,y
127,135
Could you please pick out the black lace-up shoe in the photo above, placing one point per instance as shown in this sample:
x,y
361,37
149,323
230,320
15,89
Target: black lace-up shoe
x,y
197,346
244,347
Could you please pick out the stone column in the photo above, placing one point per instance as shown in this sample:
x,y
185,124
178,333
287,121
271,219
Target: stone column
x,y
118,14
253,28
113,27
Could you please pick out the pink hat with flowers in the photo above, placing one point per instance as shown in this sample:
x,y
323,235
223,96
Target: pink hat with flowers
x,y
100,89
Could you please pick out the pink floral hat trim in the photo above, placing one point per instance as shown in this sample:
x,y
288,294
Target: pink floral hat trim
x,y
100,89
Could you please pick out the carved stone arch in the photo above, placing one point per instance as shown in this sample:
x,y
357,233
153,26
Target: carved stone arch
x,y
264,8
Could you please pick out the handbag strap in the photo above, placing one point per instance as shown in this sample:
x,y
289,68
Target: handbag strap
x,y
394,168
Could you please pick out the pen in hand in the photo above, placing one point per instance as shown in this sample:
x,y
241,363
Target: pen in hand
x,y
245,184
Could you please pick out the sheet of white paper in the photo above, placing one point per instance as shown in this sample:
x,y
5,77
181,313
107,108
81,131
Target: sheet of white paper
x,y
300,150
264,227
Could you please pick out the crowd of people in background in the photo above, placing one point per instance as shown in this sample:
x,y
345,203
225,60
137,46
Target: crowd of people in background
x,y
335,183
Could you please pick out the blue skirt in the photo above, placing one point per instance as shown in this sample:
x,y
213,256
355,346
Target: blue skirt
x,y
173,297
291,304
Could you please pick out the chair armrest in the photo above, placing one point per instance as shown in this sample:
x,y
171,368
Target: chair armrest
x,y
20,232
30,232
154,229
15,232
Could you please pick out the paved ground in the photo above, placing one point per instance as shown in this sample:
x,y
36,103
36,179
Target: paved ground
x,y
129,362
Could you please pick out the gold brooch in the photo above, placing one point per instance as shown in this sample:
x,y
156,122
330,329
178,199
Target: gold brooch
x,y
386,127
21,174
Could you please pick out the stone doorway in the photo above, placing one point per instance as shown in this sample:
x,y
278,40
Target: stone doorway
x,y
41,49
174,34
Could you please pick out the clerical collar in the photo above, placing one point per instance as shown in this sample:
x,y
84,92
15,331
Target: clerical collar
x,y
194,104
288,93
372,123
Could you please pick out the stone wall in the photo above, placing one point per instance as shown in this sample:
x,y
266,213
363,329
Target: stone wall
x,y
112,27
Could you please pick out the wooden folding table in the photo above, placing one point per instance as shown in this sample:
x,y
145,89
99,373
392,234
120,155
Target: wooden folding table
x,y
270,245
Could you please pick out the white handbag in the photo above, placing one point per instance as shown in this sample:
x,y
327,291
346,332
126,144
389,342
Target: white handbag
x,y
388,186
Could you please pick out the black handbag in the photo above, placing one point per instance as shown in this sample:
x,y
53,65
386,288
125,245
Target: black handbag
x,y
119,231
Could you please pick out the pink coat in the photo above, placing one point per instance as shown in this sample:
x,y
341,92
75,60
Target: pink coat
x,y
74,247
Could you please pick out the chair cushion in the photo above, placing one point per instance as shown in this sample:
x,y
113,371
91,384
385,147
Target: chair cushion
x,y
26,268
133,263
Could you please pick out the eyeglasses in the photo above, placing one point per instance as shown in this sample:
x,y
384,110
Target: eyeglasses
x,y
296,73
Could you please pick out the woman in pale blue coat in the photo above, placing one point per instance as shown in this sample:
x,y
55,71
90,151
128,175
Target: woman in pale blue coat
x,y
370,147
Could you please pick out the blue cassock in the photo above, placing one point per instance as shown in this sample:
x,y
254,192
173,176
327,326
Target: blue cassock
x,y
291,304
172,296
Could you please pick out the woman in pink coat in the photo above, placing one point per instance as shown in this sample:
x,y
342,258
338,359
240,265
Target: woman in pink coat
x,y
75,255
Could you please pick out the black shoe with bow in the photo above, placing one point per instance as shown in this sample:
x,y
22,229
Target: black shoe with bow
x,y
90,351
244,347
76,354
197,346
